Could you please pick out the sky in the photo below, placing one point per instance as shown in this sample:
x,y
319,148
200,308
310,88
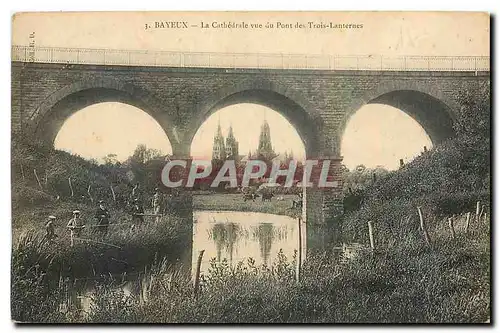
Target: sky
x,y
246,120
380,135
376,135
94,132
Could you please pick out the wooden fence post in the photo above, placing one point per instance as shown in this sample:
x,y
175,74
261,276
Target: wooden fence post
x,y
423,227
481,213
197,274
467,221
401,163
370,234
112,192
70,186
452,227
38,180
299,253
90,195
478,207
22,172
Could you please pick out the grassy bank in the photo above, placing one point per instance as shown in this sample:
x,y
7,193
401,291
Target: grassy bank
x,y
38,266
218,201
123,249
405,281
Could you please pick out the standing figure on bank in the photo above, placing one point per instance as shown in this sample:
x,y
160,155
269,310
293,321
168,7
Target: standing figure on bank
x,y
137,212
156,203
133,195
102,215
75,225
50,228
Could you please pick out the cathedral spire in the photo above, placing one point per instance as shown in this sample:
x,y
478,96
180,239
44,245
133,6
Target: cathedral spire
x,y
265,149
219,129
219,149
230,132
232,145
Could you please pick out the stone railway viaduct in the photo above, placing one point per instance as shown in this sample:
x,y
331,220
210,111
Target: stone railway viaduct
x,y
317,101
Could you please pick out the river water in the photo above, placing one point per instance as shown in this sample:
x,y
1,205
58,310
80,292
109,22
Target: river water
x,y
237,236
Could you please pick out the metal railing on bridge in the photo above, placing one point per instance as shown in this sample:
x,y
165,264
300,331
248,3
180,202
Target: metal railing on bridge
x,y
247,60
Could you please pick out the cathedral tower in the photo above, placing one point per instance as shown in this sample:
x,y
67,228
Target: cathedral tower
x,y
232,146
265,150
218,149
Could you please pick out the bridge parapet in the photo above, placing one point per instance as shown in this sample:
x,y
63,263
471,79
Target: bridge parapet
x,y
152,58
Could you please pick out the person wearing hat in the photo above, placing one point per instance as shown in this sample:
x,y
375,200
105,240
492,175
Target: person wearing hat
x,y
137,212
156,203
134,190
75,225
134,194
50,228
102,214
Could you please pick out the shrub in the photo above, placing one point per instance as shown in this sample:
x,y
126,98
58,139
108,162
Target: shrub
x,y
35,296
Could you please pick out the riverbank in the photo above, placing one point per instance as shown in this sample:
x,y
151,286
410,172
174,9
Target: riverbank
x,y
40,266
235,202
404,281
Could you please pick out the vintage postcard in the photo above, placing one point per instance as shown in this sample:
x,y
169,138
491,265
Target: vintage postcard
x,y
251,167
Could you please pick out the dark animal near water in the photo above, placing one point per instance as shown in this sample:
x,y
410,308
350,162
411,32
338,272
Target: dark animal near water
x,y
250,196
267,196
297,204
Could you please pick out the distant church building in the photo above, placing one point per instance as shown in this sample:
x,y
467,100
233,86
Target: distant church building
x,y
265,150
219,148
232,146
228,150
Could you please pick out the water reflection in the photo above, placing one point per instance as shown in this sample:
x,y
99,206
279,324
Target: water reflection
x,y
234,236
225,236
237,236
264,233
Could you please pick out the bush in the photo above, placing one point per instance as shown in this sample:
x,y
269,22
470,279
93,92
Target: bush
x,y
35,296
122,250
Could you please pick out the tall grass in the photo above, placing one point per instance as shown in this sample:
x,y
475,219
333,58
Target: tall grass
x,y
34,293
38,265
407,282
123,249
403,281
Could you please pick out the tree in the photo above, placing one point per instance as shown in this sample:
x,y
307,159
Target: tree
x,y
474,118
143,154
145,164
111,159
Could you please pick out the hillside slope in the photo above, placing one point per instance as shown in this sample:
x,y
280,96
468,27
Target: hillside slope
x,y
445,181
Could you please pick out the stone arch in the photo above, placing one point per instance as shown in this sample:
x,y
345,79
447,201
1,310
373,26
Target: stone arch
x,y
48,118
284,100
425,103
306,120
